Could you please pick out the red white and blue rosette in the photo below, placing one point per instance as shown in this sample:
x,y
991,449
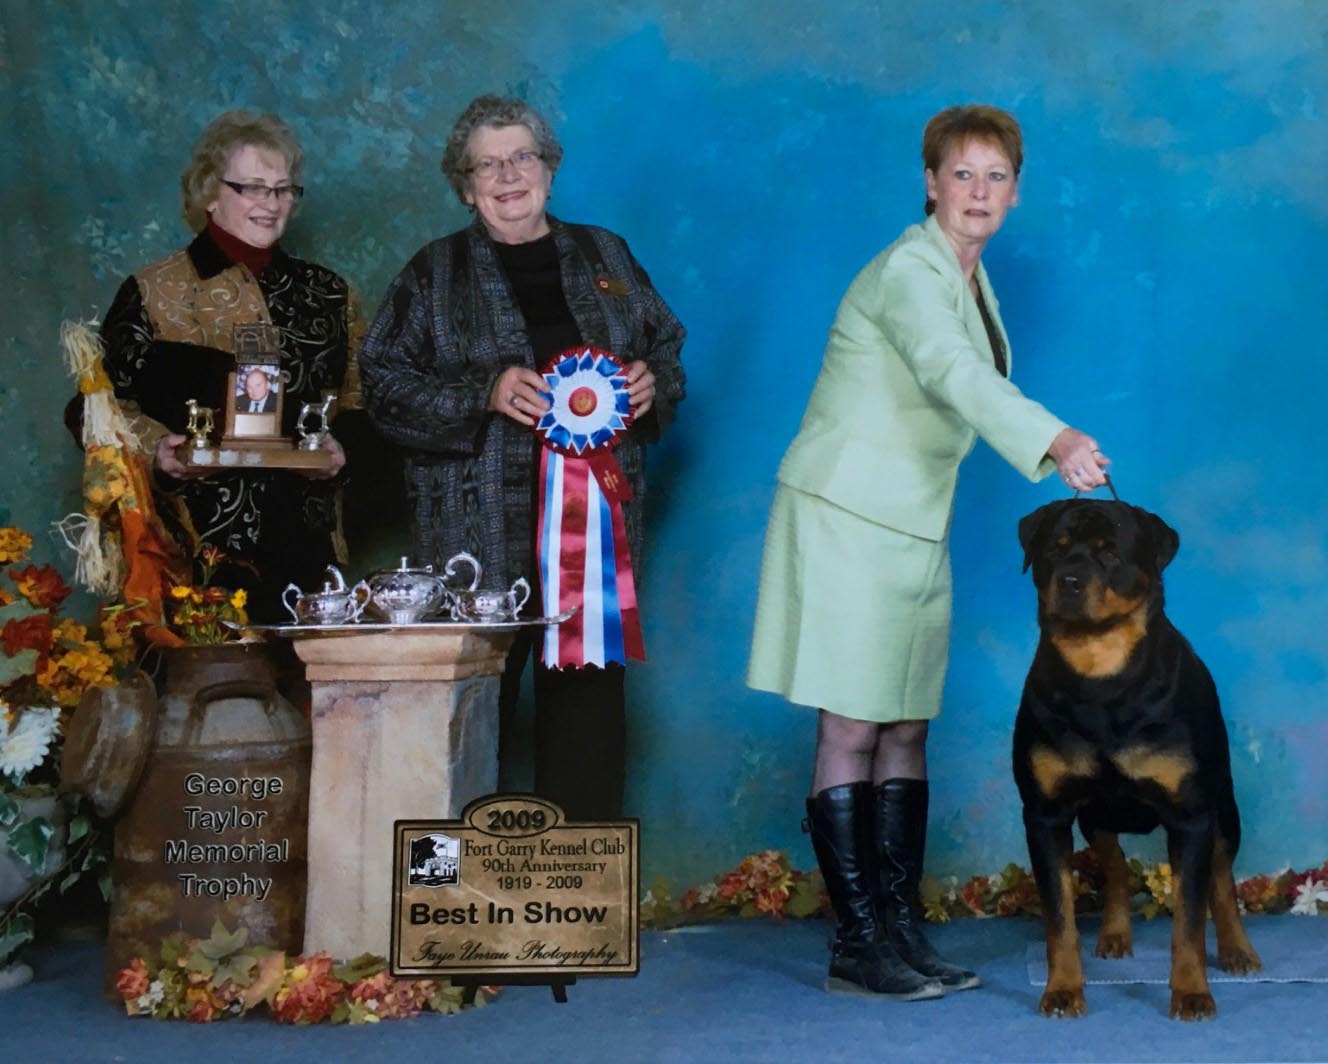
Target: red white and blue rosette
x,y
581,536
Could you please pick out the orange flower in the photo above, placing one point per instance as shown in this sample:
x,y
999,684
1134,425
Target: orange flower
x,y
14,544
42,587
974,894
732,885
1254,892
30,633
203,1007
132,982
310,992
772,901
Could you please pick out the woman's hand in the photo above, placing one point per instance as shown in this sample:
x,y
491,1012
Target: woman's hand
x,y
516,394
640,388
1078,459
166,460
330,445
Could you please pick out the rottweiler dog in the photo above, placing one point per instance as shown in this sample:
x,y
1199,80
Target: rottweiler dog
x,y
1120,727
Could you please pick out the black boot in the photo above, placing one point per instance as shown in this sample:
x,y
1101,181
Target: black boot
x,y
901,833
861,960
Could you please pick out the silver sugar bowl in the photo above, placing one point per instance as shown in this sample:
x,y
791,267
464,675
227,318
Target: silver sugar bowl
x,y
334,604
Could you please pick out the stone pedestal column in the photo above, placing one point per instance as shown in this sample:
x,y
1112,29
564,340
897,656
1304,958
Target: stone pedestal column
x,y
405,726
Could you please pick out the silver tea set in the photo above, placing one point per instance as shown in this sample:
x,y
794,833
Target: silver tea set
x,y
406,595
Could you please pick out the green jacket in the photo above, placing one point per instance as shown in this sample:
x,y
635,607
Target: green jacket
x,y
907,384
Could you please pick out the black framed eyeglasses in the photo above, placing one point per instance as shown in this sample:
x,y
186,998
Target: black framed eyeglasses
x,y
259,192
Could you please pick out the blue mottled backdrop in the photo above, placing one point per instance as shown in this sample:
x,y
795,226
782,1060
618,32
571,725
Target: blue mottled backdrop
x,y
1162,282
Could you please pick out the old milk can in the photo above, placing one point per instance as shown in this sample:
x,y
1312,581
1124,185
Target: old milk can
x,y
216,827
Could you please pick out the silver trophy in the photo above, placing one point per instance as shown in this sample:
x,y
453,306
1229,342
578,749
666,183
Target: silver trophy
x,y
313,437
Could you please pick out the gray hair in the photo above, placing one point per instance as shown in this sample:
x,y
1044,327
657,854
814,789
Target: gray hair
x,y
495,112
225,135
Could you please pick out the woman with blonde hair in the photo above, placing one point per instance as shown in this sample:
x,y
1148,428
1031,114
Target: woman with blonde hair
x,y
169,337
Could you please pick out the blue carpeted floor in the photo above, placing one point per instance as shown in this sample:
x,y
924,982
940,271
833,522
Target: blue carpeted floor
x,y
742,991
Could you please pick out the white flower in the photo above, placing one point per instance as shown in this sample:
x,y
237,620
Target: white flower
x,y
25,744
1309,895
150,998
706,893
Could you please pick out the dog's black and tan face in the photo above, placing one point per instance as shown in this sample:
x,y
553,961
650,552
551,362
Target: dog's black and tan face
x,y
1098,569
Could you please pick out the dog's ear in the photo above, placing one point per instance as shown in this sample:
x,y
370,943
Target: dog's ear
x,y
1166,540
1031,526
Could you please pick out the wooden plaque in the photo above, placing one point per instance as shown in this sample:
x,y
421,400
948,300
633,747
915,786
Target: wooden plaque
x,y
513,890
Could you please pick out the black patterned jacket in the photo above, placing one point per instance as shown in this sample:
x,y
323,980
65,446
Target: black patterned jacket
x,y
430,360
167,339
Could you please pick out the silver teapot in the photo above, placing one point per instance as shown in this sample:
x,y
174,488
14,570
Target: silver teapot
x,y
334,604
408,595
488,607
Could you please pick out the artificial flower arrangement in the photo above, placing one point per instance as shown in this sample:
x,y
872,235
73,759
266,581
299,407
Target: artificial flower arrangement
x,y
219,977
47,664
766,884
198,612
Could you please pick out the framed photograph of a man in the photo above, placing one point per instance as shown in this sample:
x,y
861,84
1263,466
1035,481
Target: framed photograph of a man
x,y
256,398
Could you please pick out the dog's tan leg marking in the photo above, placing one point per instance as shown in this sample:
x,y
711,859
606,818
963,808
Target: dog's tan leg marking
x,y
1052,768
1101,654
1168,770
1115,939
1234,951
1190,996
1064,995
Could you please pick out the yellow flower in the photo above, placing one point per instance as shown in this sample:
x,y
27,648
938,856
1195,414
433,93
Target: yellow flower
x,y
14,544
1160,884
239,598
70,631
196,597
179,591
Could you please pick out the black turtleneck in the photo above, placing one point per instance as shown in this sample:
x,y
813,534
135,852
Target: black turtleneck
x,y
532,271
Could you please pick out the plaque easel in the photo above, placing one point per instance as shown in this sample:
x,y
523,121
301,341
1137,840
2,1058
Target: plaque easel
x,y
255,398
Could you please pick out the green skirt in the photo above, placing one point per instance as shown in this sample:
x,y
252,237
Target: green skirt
x,y
852,617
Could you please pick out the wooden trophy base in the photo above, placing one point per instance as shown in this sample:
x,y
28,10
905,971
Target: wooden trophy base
x,y
253,452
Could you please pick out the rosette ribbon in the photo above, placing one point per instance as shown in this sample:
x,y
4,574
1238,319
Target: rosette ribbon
x,y
581,536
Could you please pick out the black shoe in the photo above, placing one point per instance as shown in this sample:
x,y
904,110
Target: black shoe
x,y
862,961
901,835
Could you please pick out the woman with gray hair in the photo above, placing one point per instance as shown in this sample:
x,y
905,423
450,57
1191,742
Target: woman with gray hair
x,y
169,337
451,370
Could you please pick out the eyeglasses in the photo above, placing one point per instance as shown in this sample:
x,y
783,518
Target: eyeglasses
x,y
492,166
260,192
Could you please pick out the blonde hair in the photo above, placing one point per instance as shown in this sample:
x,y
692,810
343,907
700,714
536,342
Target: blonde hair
x,y
973,121
200,183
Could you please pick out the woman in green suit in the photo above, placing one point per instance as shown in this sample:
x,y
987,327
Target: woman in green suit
x,y
853,615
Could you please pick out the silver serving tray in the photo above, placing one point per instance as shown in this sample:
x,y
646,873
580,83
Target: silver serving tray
x,y
371,627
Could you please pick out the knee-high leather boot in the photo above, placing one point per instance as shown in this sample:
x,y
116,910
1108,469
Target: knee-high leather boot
x,y
862,961
901,834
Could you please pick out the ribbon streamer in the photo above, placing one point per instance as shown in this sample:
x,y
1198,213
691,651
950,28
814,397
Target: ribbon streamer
x,y
581,535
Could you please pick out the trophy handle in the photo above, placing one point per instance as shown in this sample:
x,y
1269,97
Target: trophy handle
x,y
470,560
360,595
523,587
285,602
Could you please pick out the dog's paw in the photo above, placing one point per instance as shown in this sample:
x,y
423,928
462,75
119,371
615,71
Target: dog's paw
x,y
1063,1003
1238,960
1115,944
1189,1006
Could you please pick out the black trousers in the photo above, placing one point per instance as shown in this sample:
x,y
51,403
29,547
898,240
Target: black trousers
x,y
580,747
